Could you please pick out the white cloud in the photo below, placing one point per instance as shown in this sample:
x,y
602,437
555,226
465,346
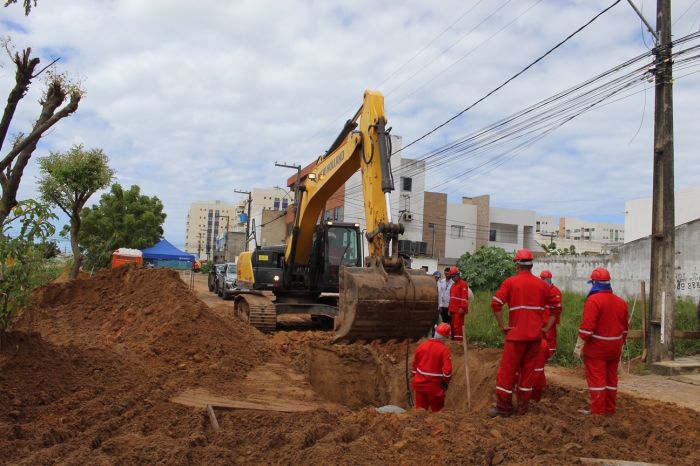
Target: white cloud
x,y
194,99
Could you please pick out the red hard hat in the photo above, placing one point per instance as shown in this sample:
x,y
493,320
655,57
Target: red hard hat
x,y
523,255
454,271
546,274
600,274
443,329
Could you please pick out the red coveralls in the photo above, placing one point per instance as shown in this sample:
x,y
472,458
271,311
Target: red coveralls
x,y
432,367
555,309
526,296
458,307
604,329
540,380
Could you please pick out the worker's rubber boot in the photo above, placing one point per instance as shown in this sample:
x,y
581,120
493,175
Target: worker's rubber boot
x,y
495,412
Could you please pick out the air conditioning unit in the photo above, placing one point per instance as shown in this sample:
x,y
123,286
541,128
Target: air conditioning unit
x,y
408,216
405,247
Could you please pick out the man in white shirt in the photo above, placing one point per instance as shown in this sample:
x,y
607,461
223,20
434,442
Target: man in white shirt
x,y
444,285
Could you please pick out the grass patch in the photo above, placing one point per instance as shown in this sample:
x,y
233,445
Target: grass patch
x,y
483,329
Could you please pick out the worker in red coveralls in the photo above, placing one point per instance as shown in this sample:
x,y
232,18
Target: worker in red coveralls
x,y
602,333
548,346
527,298
554,309
432,370
459,303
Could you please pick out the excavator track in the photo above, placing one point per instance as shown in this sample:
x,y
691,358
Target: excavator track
x,y
257,310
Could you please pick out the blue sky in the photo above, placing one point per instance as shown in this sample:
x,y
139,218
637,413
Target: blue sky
x,y
193,100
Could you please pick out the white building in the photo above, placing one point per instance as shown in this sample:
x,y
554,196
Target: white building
x,y
474,223
585,230
206,220
512,229
546,226
638,212
460,229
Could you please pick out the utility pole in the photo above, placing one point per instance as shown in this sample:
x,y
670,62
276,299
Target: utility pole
x,y
662,293
295,229
225,238
247,226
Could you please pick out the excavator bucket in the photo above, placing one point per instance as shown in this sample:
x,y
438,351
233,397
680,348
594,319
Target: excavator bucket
x,y
378,305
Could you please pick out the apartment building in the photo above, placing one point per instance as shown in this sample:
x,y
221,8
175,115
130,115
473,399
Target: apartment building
x,y
206,220
638,212
584,230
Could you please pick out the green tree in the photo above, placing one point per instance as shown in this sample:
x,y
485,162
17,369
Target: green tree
x,y
51,249
68,180
122,219
21,258
486,268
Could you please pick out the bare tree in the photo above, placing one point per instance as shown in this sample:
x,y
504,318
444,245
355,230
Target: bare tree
x,y
60,100
27,5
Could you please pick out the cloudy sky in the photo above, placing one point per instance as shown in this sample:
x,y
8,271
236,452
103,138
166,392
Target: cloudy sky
x,y
192,100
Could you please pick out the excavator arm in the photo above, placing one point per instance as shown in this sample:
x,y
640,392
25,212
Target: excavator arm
x,y
366,150
383,300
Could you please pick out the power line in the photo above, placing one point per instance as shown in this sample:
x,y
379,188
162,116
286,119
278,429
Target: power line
x,y
483,21
472,50
393,73
507,81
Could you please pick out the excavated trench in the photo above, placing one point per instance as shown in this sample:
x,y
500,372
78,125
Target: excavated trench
x,y
362,375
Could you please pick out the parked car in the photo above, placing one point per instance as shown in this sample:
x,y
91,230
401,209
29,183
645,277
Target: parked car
x,y
226,283
214,273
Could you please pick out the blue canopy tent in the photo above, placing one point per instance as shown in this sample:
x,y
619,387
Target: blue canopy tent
x,y
165,255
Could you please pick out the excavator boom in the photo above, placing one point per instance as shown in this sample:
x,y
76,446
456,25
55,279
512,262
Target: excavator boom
x,y
384,299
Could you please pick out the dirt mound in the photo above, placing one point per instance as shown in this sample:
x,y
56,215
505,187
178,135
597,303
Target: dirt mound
x,y
150,318
65,276
95,387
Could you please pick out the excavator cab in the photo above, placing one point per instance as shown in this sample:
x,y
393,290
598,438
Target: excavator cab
x,y
336,245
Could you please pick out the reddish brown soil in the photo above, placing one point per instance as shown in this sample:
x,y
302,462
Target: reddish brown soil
x,y
87,374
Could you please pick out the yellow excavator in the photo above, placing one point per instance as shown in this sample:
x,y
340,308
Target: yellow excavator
x,y
320,271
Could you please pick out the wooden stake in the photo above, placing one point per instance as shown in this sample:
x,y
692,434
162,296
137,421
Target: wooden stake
x,y
212,418
466,366
644,321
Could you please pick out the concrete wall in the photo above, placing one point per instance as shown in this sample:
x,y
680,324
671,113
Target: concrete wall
x,y
630,265
638,212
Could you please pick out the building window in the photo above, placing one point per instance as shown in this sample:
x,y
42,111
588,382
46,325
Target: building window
x,y
456,231
406,183
276,204
492,234
338,214
537,226
285,203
